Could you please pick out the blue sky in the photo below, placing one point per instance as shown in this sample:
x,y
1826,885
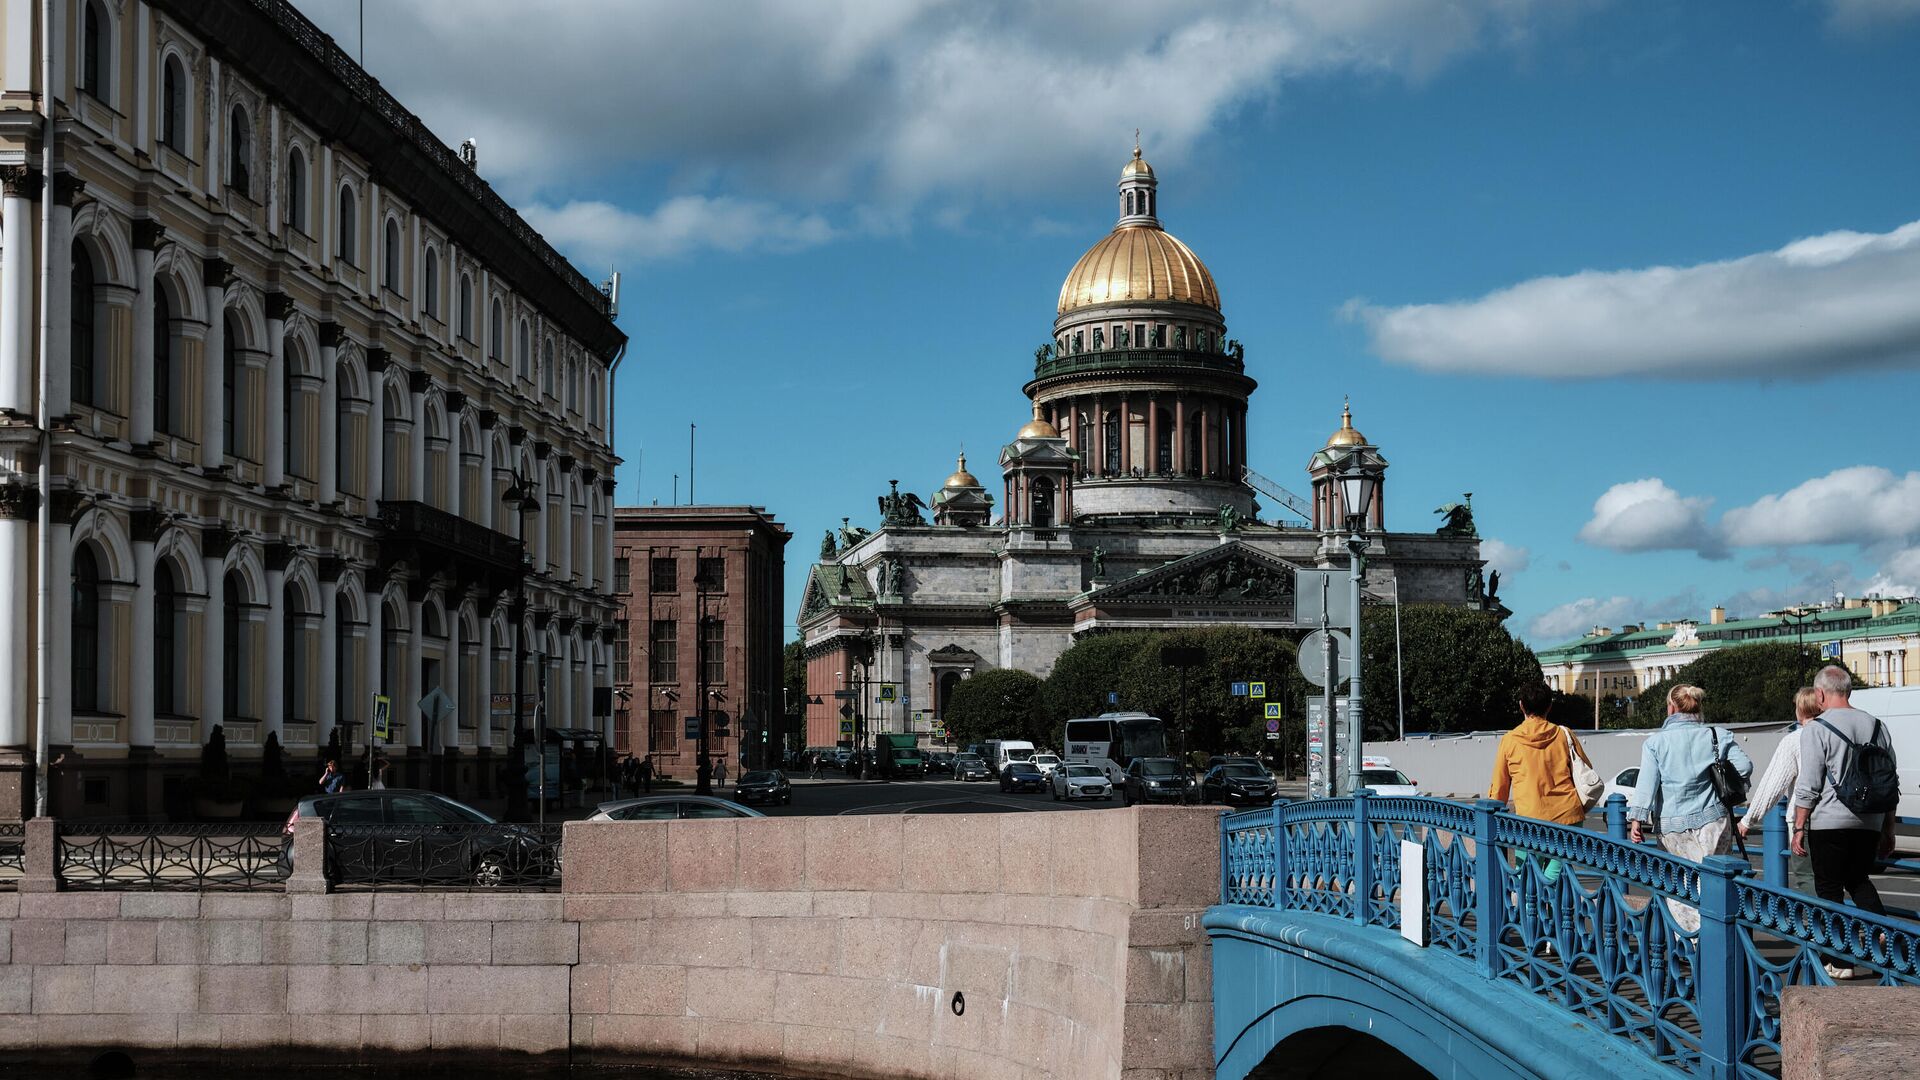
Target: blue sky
x,y
1643,277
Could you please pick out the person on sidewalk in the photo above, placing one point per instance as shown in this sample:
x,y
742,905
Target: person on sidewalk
x,y
646,773
1534,767
720,773
1776,786
1842,843
1674,794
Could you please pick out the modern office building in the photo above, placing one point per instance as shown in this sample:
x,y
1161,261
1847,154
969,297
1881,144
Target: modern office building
x,y
294,410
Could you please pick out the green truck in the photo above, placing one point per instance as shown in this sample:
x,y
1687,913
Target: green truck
x,y
898,756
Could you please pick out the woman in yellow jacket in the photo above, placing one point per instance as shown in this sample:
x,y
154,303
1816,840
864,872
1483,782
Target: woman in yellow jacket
x,y
1534,768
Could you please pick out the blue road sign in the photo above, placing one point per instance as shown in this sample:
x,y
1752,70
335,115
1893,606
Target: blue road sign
x,y
1239,689
1830,650
693,727
1113,697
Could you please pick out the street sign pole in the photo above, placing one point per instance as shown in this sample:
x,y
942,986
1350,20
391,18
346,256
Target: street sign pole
x,y
1333,675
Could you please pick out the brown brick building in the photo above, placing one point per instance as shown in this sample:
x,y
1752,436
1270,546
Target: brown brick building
x,y
700,609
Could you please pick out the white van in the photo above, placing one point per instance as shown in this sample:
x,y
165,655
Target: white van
x,y
1898,707
999,752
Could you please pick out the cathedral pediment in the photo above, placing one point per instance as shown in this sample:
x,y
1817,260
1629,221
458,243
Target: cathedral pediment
x,y
1229,573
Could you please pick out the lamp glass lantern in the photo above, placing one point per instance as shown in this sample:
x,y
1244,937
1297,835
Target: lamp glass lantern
x,y
1358,485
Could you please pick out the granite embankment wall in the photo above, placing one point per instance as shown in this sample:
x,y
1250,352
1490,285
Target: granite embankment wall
x,y
831,946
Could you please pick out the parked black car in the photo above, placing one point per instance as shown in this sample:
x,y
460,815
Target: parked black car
x,y
1022,776
1237,784
938,761
1157,780
403,837
971,767
768,786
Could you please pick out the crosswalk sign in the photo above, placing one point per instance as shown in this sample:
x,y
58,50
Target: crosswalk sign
x,y
889,692
1257,690
1273,710
382,716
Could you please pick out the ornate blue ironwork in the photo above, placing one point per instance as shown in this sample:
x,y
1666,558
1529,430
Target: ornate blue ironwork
x,y
1602,938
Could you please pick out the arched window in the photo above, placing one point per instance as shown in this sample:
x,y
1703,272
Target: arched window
x,y
173,104
80,328
164,399
233,647
497,331
293,687
230,397
166,603
523,353
96,51
293,428
466,307
430,294
1042,508
393,256
240,152
344,657
348,229
84,629
297,189
1194,443
949,681
546,370
1163,451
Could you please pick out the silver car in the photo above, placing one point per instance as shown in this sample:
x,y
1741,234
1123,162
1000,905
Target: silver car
x,y
671,808
1081,782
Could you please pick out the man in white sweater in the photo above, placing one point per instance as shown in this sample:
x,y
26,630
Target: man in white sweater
x,y
1776,785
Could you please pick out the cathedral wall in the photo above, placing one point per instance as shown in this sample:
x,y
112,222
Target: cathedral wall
x,y
1148,495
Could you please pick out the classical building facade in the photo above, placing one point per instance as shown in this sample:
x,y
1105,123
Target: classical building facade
x,y
316,416
1876,638
700,612
1125,501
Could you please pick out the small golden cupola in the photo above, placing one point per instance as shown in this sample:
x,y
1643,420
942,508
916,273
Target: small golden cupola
x,y
1346,436
961,478
1038,428
961,500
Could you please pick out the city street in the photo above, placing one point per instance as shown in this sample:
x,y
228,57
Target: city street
x,y
823,797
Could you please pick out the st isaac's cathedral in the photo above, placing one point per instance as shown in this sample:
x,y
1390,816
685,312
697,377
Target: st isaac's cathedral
x,y
1125,502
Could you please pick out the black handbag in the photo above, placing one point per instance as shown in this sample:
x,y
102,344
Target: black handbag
x,y
1728,786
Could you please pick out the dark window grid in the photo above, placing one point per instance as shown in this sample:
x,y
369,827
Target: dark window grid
x,y
664,575
663,652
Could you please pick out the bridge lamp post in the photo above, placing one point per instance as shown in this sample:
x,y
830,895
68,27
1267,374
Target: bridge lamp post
x,y
1357,487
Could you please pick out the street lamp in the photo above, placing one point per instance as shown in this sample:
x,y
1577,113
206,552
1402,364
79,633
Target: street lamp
x,y
1357,487
522,498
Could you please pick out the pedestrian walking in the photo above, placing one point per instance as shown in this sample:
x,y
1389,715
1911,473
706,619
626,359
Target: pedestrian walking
x,y
1843,799
1675,795
1776,785
1540,765
646,773
332,780
720,773
379,781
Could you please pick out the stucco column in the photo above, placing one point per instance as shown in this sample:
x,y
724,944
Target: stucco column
x,y
140,655
376,429
1206,444
1180,434
417,384
60,705
541,525
214,275
19,503
483,684
329,441
59,346
140,409
213,654
273,708
407,702
279,306
564,691
329,667
1126,434
1153,434
566,528
374,647
456,473
606,543
449,732
18,183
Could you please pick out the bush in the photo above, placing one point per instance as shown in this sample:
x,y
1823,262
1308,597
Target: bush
x,y
1000,703
1462,670
1744,684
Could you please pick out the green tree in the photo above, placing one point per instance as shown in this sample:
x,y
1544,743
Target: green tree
x,y
1460,670
793,662
1744,684
1089,670
1213,720
997,704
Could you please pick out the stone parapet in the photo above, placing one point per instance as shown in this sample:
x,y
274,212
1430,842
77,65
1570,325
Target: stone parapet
x,y
1848,1032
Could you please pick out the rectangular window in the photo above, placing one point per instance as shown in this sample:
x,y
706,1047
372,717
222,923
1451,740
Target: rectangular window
x,y
663,653
665,575
1139,335
713,642
666,731
622,575
711,574
620,672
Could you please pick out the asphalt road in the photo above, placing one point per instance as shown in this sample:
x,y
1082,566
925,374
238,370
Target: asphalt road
x,y
938,796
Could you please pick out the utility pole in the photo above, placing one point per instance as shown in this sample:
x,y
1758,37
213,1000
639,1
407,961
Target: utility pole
x,y
703,769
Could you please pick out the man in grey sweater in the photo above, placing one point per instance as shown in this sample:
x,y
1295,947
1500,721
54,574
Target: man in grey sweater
x,y
1843,845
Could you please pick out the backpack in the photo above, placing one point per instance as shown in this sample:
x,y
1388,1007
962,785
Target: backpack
x,y
1869,780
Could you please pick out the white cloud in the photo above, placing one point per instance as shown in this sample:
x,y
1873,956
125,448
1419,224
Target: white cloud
x,y
1867,14
1818,306
1899,576
599,232
1507,558
1647,515
878,99
1863,504
1574,618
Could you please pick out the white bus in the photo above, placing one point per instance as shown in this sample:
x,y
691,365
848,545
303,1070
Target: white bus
x,y
999,752
1112,740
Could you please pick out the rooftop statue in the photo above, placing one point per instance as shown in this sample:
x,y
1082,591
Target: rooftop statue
x,y
826,547
851,535
1459,518
900,508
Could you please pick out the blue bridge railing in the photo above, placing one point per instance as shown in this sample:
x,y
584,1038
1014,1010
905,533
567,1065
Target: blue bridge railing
x,y
1686,961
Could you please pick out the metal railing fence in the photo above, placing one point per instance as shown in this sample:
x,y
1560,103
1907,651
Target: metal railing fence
x,y
186,857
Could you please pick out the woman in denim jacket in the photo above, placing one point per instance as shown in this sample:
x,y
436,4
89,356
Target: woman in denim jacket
x,y
1674,794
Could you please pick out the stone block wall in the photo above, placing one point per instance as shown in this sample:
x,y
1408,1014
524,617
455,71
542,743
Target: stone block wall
x,y
834,945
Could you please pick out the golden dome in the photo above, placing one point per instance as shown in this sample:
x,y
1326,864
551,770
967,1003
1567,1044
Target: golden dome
x,y
961,478
1346,436
1142,263
1136,167
1038,428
